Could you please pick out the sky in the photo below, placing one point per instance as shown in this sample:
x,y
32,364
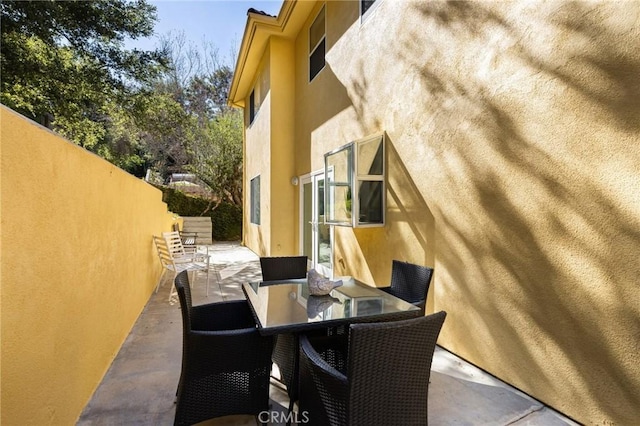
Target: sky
x,y
220,22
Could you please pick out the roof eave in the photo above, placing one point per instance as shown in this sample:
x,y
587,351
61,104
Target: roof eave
x,y
257,31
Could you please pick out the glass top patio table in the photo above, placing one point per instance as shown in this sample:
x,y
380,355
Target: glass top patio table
x,y
287,306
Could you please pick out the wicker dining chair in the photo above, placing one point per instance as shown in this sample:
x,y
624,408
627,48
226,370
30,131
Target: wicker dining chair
x,y
226,363
410,282
283,267
378,376
285,351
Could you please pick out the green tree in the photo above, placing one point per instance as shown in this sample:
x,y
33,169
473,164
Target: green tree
x,y
63,63
217,159
205,135
166,129
124,138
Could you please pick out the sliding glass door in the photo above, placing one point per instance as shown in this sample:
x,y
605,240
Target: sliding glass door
x,y
316,235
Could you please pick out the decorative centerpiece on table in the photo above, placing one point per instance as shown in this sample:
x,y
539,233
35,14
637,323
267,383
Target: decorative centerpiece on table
x,y
320,285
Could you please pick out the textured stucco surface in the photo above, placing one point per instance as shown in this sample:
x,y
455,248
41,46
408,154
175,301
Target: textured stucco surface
x,y
257,141
78,265
513,168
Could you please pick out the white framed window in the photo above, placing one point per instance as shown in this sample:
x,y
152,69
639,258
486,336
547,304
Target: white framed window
x,y
317,44
255,200
355,183
338,177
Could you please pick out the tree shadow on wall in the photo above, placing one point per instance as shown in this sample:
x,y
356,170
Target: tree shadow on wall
x,y
526,192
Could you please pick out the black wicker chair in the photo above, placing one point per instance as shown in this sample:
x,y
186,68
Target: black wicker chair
x,y
410,282
378,376
283,267
226,363
285,351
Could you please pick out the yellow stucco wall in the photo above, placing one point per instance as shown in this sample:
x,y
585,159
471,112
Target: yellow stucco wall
x,y
78,265
513,163
257,140
272,147
282,194
513,169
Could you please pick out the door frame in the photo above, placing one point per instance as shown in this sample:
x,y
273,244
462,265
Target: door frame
x,y
313,178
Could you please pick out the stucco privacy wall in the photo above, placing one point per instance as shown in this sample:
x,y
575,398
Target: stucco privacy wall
x,y
513,168
77,267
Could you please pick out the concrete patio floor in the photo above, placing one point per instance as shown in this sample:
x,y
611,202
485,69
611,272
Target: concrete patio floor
x,y
139,387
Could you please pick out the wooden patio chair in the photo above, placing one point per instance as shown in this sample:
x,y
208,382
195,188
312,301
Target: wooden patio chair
x,y
189,239
175,258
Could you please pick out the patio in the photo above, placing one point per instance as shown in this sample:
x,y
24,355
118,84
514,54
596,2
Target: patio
x,y
139,387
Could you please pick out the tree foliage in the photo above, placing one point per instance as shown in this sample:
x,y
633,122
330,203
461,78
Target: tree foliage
x,y
93,30
205,138
217,158
63,64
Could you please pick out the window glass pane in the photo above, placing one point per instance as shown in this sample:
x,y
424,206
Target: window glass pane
x,y
320,200
356,197
365,5
252,107
307,220
316,32
370,157
338,172
341,203
324,238
316,61
255,200
339,163
370,198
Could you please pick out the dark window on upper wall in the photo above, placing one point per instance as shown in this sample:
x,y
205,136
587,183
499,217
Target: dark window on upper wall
x,y
317,45
252,107
316,62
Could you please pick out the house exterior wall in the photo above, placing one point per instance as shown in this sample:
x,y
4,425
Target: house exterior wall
x,y
77,267
257,141
513,131
272,145
283,195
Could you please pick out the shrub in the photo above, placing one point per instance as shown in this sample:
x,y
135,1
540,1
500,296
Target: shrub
x,y
226,219
227,222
